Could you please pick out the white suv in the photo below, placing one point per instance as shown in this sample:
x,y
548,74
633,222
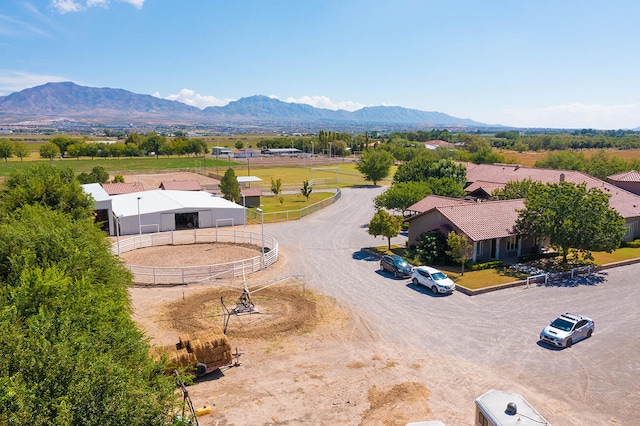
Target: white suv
x,y
433,279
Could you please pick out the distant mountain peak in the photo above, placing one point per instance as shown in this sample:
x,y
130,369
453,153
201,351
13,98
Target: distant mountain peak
x,y
105,105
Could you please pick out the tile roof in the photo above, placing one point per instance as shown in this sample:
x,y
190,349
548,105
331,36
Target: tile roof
x,y
122,188
180,185
624,202
432,201
484,220
251,192
630,176
487,187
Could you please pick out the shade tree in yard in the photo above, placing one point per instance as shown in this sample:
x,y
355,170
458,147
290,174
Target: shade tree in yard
x,y
386,225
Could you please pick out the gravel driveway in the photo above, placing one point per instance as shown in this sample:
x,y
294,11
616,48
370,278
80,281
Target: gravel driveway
x,y
487,340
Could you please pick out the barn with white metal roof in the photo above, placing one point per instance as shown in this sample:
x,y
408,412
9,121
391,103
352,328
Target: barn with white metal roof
x,y
165,210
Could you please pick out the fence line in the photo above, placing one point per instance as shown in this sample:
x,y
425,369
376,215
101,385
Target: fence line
x,y
293,214
163,275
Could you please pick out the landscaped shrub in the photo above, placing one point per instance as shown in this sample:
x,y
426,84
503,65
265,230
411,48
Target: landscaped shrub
x,y
431,248
631,244
492,264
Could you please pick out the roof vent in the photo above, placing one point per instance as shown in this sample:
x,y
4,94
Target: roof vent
x,y
512,409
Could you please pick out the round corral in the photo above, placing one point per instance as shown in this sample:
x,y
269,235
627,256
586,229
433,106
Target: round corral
x,y
195,256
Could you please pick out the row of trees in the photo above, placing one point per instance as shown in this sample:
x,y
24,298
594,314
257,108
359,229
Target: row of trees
x,y
69,350
10,148
134,146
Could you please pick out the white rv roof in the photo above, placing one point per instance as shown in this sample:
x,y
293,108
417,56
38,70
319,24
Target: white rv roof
x,y
494,405
161,201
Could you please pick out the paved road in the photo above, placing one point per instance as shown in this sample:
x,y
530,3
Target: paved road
x,y
495,332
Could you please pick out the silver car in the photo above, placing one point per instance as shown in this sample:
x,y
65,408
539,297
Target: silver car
x,y
433,279
567,329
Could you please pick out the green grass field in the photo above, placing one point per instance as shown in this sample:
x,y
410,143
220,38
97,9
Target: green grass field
x,y
291,201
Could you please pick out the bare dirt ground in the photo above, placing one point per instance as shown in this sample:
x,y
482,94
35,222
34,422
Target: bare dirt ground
x,y
305,360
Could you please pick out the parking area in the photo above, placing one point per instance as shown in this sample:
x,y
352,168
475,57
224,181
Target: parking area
x,y
485,341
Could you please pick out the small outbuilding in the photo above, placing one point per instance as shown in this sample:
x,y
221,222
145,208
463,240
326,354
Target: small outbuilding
x,y
251,196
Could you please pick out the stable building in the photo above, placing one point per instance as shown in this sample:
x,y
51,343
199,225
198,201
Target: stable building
x,y
163,210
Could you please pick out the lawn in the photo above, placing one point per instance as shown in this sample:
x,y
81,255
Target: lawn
x,y
122,165
291,201
475,280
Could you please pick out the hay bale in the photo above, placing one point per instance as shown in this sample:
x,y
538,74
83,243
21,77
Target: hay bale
x,y
182,357
183,341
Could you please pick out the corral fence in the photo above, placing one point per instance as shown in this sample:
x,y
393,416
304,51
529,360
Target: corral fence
x,y
254,216
172,275
555,276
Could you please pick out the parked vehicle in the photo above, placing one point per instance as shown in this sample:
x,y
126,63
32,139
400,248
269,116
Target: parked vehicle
x,y
567,329
396,265
433,279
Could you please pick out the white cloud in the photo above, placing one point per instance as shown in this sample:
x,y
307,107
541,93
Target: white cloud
x,y
326,103
66,6
576,115
14,81
190,97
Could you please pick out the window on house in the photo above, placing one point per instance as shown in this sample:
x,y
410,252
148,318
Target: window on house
x,y
512,243
629,233
479,248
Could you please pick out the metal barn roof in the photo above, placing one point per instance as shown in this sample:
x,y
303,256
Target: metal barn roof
x,y
166,200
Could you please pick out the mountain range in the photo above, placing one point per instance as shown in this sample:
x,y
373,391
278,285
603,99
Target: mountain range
x,y
70,102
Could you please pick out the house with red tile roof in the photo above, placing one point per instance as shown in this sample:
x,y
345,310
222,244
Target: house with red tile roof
x,y
489,224
624,202
629,181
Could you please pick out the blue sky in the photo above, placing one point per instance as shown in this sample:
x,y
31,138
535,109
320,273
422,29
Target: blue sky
x,y
544,63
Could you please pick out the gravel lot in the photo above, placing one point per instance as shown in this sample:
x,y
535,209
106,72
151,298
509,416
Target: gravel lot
x,y
487,341
447,350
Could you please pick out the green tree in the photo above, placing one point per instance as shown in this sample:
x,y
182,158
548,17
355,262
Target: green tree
x,y
572,217
375,164
276,186
239,144
154,143
49,150
21,150
67,340
306,189
401,195
97,175
63,141
6,149
55,187
118,179
431,248
424,167
460,248
386,225
517,189
229,186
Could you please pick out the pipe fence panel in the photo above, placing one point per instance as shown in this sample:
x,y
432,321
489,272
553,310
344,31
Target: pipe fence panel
x,y
158,275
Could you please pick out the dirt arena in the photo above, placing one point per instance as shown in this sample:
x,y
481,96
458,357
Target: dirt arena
x,y
305,360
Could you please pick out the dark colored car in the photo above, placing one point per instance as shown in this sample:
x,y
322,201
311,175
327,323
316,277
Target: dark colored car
x,y
396,265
